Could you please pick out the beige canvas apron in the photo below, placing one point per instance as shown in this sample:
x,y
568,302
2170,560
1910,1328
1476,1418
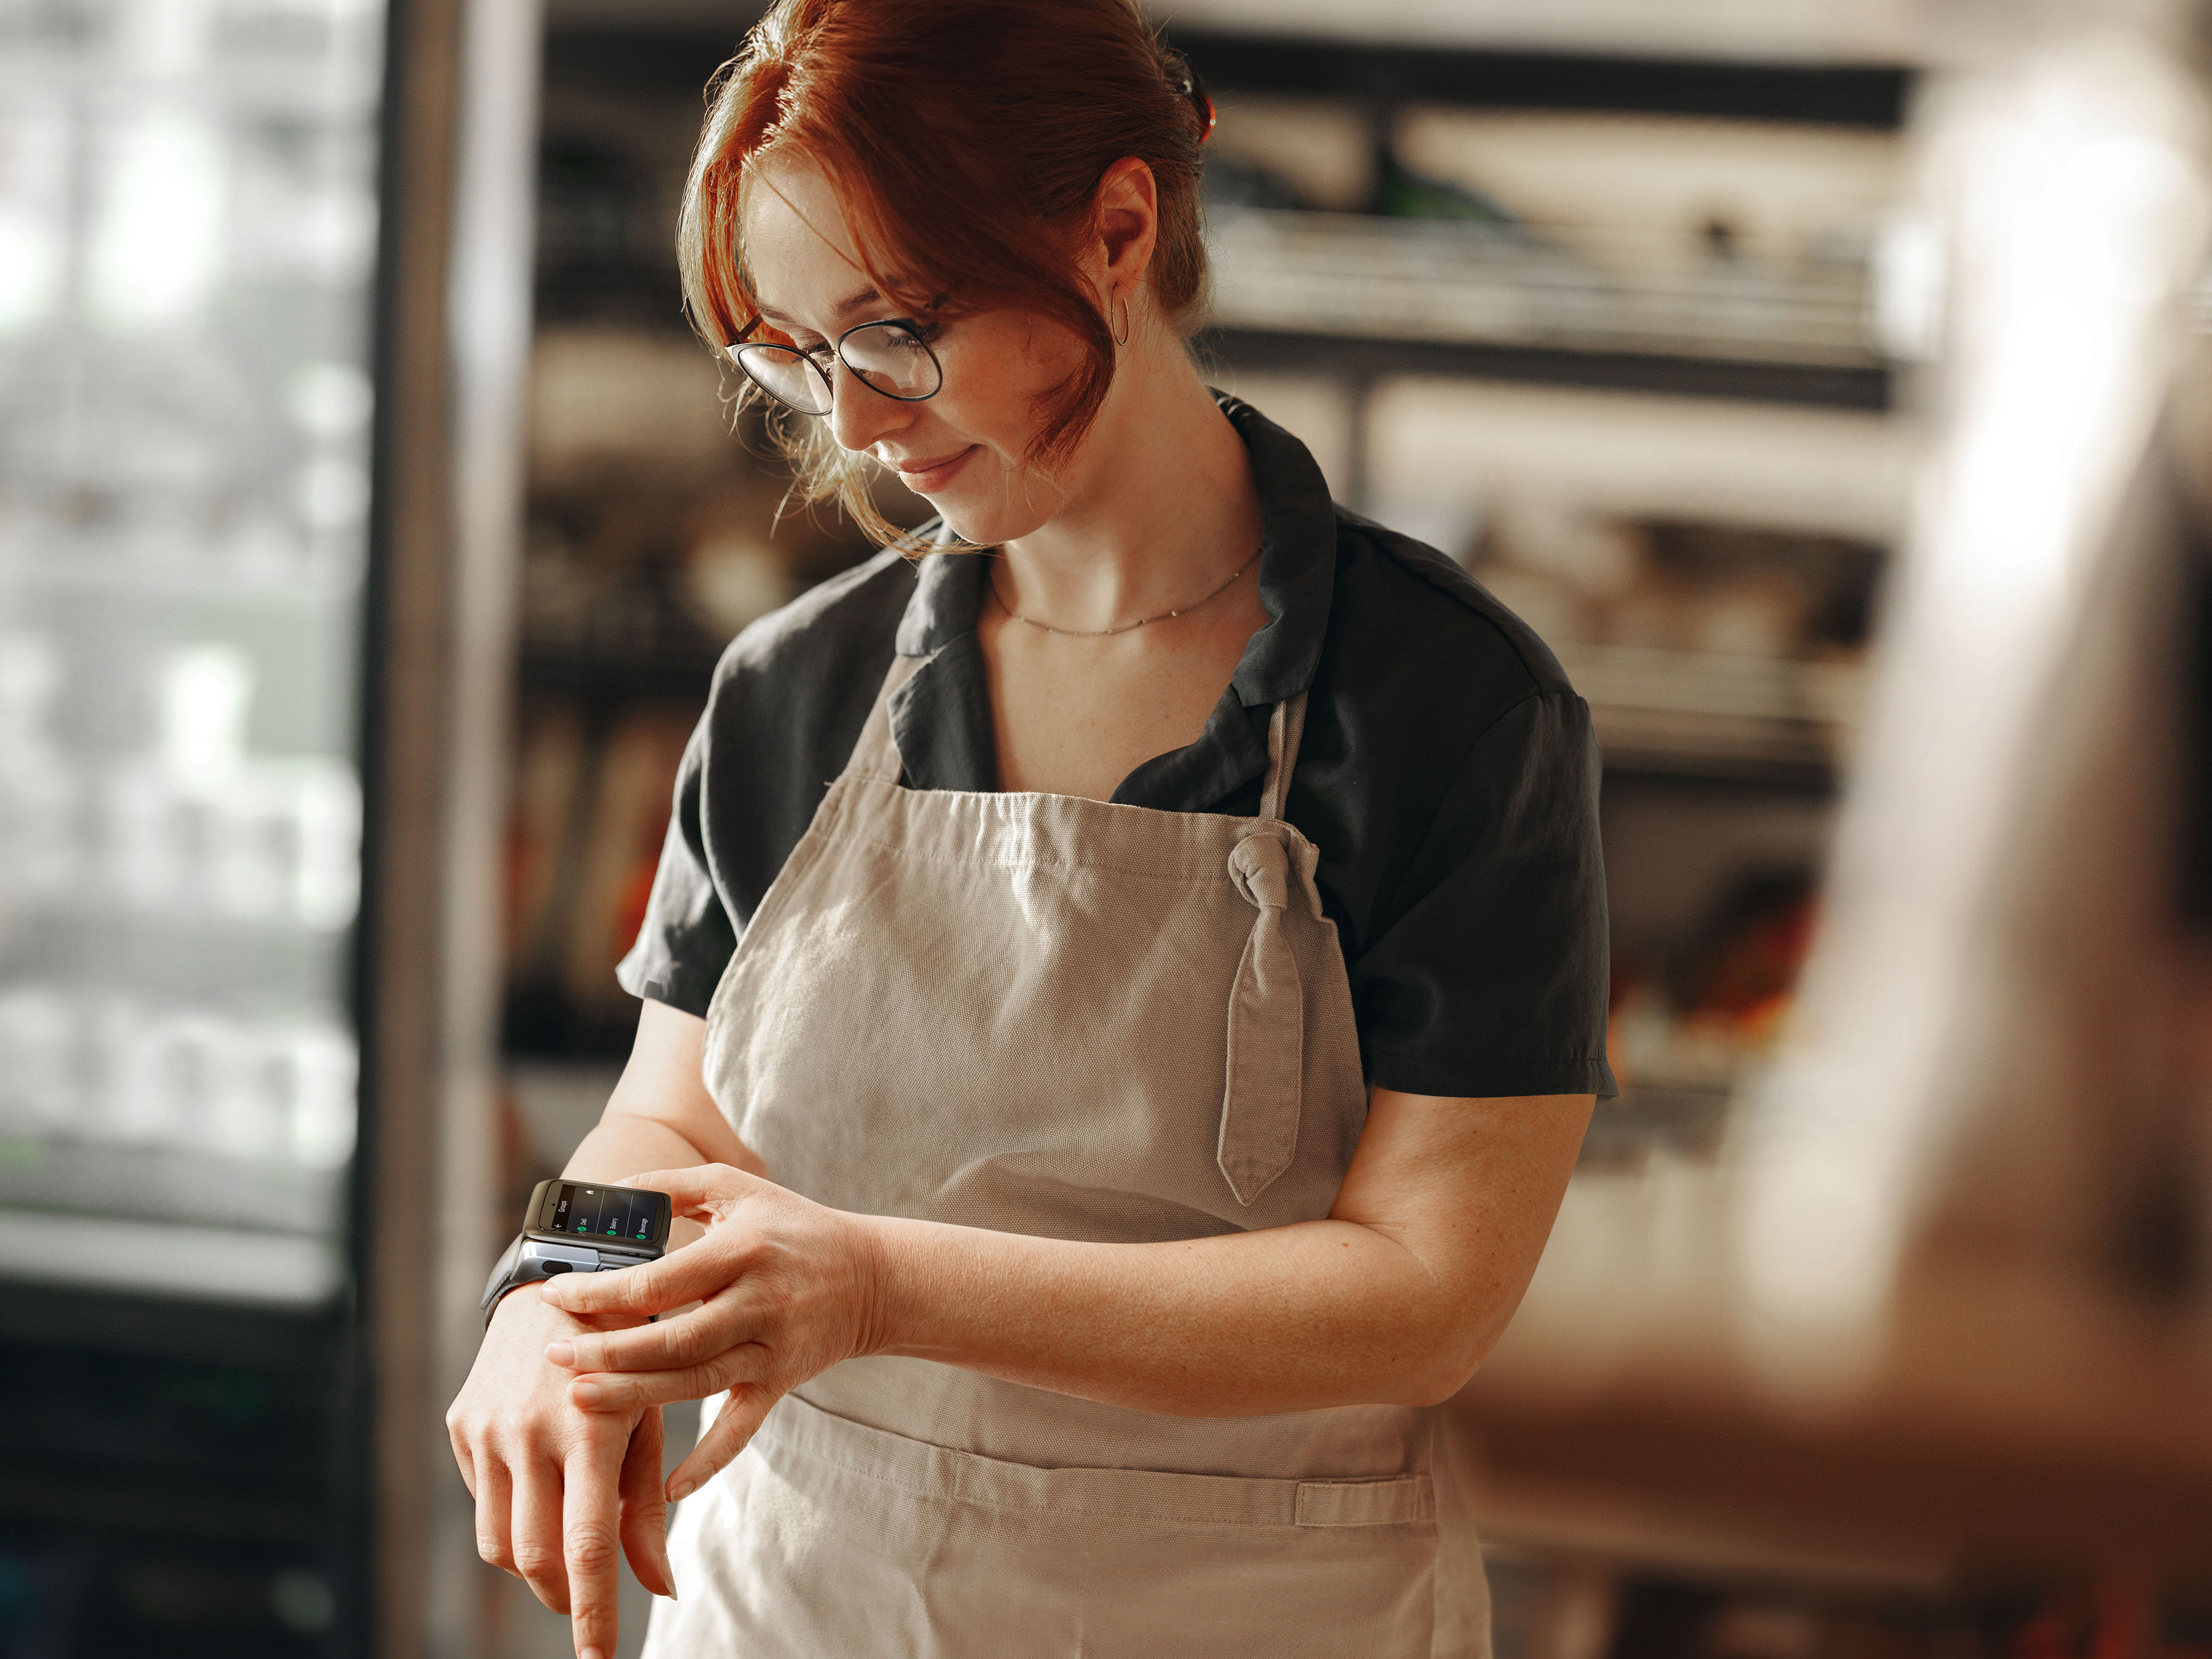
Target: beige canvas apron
x,y
1056,1016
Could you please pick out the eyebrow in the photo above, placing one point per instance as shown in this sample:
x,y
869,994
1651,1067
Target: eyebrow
x,y
842,306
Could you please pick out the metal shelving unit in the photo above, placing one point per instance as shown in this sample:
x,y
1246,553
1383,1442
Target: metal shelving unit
x,y
1702,712
1366,296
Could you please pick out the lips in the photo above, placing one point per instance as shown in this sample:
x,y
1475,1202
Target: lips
x,y
933,473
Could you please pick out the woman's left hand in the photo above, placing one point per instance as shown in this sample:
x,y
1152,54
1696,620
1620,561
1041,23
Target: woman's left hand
x,y
786,1289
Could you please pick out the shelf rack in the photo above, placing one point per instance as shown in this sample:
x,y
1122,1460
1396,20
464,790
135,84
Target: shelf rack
x,y
1505,304
1361,296
1717,714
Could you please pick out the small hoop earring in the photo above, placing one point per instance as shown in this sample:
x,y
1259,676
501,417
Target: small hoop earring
x,y
1121,338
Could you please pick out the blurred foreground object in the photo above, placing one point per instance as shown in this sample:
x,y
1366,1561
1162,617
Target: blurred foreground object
x,y
2002,927
1929,1313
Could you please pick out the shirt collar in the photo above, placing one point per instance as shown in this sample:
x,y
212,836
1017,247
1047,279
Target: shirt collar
x,y
941,717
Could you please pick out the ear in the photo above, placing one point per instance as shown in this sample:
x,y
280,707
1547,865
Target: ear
x,y
1129,220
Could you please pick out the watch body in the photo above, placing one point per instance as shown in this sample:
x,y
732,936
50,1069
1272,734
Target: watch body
x,y
574,1226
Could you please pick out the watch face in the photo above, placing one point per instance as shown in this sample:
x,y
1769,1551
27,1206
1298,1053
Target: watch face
x,y
625,1215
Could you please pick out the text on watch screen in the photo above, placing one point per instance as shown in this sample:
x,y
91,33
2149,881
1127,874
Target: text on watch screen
x,y
605,1212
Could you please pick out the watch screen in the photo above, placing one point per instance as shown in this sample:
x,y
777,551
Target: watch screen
x,y
628,1214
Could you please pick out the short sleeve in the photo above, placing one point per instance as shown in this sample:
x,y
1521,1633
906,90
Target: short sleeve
x,y
687,938
1488,974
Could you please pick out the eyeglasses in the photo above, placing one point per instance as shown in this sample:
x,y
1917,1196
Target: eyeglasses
x,y
889,357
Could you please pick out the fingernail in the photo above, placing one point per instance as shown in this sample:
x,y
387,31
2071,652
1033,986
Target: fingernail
x,y
591,1653
586,1394
680,1491
561,1353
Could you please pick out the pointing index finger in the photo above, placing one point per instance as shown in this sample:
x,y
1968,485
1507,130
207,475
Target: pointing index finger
x,y
694,1192
641,1290
690,1274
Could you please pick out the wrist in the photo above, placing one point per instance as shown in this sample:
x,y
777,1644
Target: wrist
x,y
531,1291
877,1261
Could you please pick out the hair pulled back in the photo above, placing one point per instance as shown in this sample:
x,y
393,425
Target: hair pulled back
x,y
966,140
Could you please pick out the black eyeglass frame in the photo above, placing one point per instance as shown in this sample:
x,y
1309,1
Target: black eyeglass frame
x,y
738,350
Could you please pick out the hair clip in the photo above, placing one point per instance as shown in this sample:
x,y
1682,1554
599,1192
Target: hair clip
x,y
1200,98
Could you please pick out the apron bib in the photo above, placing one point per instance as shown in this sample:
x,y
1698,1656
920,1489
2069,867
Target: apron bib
x,y
1056,1016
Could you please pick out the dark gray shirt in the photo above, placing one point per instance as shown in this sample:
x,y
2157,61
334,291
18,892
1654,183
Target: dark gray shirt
x,y
1448,776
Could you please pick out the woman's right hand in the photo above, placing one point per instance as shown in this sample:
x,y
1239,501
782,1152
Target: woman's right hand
x,y
558,1490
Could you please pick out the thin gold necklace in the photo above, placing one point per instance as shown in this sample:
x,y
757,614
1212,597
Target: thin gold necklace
x,y
1104,632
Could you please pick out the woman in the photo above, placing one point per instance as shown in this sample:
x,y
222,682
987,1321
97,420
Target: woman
x,y
1136,1092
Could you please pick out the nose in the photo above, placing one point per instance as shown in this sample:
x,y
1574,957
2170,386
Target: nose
x,y
860,416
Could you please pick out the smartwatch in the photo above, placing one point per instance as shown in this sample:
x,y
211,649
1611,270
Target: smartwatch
x,y
571,1228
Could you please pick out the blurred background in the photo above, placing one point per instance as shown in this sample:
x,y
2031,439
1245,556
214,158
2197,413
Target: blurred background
x,y
1826,383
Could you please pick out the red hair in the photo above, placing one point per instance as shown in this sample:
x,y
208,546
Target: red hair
x,y
966,140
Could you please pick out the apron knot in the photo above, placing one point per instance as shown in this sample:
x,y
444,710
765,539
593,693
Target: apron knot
x,y
1264,866
1266,1020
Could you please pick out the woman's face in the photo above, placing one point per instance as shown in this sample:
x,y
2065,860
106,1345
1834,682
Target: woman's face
x,y
961,449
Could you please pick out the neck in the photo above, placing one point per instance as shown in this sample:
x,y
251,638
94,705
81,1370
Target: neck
x,y
1160,507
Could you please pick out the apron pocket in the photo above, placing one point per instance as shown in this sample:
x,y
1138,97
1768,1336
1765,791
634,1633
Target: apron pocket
x,y
961,1555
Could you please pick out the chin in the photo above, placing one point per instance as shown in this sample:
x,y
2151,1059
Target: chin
x,y
989,522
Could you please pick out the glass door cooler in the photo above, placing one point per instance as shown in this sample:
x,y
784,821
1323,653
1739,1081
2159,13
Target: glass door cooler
x,y
198,257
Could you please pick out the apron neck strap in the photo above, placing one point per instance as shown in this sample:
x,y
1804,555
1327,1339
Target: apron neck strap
x,y
876,755
1285,726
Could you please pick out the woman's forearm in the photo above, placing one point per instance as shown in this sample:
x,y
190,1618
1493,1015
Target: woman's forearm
x,y
1395,1298
621,1145
661,1115
1324,1313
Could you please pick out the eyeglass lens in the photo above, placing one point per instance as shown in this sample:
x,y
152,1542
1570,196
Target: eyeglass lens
x,y
892,358
888,357
789,376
